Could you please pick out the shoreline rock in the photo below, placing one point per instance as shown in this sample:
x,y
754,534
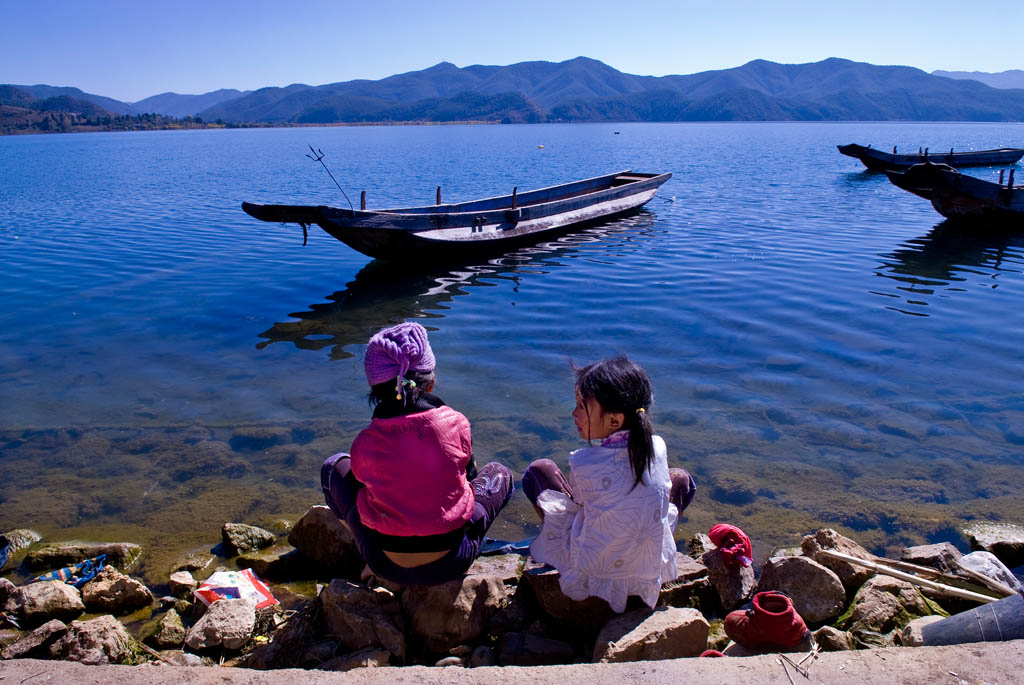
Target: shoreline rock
x,y
505,610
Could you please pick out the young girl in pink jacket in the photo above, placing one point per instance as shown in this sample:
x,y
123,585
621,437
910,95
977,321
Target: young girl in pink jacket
x,y
409,490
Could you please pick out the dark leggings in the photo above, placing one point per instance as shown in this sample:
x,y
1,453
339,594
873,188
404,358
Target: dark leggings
x,y
492,489
544,474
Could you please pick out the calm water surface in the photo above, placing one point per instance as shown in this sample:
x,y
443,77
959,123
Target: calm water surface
x,y
825,350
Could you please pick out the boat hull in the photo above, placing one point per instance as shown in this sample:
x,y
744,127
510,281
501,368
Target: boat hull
x,y
958,196
476,227
877,160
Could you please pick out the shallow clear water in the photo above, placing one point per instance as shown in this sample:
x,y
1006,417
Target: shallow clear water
x,y
825,350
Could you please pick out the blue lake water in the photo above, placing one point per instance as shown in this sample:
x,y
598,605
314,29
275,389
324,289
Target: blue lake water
x,y
824,349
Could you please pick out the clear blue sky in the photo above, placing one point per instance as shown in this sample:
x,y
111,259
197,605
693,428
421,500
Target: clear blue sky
x,y
131,50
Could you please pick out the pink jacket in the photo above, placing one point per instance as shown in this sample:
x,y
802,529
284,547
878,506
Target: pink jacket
x,y
413,468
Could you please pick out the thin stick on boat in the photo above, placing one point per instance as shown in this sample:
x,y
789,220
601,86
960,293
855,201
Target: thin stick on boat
x,y
910,578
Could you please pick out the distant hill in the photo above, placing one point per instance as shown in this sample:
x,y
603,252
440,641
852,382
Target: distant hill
x,y
1014,78
42,92
177,105
59,111
584,89
577,90
15,96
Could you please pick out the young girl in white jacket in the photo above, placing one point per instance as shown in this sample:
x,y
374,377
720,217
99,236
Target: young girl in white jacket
x,y
608,529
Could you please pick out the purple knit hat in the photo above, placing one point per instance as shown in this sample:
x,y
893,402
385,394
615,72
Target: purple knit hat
x,y
393,351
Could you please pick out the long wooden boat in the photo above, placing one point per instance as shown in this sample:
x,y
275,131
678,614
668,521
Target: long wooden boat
x,y
454,230
877,160
959,196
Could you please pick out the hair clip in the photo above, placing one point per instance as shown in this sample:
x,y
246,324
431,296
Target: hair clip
x,y
641,410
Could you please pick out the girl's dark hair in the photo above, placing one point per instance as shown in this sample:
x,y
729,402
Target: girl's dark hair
x,y
415,384
621,386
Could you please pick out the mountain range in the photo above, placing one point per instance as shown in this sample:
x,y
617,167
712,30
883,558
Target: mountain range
x,y
584,89
1013,78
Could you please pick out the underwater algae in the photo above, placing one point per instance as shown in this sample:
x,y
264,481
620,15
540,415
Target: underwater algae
x,y
777,474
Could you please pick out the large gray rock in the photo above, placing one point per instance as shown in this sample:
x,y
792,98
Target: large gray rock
x,y
443,616
324,538
733,583
586,615
370,657
227,623
1005,540
53,555
527,649
37,643
241,537
102,640
361,617
941,556
989,565
882,605
6,588
113,592
817,593
645,635
37,603
851,575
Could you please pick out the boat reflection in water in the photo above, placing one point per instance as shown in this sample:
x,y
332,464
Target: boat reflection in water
x,y
952,257
384,293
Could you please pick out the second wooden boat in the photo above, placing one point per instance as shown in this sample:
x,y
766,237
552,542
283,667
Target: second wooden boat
x,y
478,226
877,160
959,196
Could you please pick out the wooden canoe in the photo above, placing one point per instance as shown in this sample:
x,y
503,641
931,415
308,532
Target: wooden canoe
x,y
959,196
479,226
878,160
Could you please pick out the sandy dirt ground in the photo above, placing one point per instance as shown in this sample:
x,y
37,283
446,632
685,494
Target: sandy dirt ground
x,y
990,663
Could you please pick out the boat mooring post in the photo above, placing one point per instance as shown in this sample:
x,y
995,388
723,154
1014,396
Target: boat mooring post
x,y
362,201
514,189
1009,184
439,195
1001,176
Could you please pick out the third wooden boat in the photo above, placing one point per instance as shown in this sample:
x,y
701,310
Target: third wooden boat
x,y
877,160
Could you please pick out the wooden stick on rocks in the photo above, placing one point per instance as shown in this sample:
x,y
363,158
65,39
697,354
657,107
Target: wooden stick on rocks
x,y
885,570
986,584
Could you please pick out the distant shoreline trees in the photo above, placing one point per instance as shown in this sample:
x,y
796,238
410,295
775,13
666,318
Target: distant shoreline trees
x,y
23,120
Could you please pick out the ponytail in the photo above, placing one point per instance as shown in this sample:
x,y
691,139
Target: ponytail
x,y
621,386
640,444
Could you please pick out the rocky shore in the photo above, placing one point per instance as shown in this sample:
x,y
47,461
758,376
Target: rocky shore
x,y
506,611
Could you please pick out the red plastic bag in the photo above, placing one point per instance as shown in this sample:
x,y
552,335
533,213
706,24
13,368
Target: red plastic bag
x,y
235,585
